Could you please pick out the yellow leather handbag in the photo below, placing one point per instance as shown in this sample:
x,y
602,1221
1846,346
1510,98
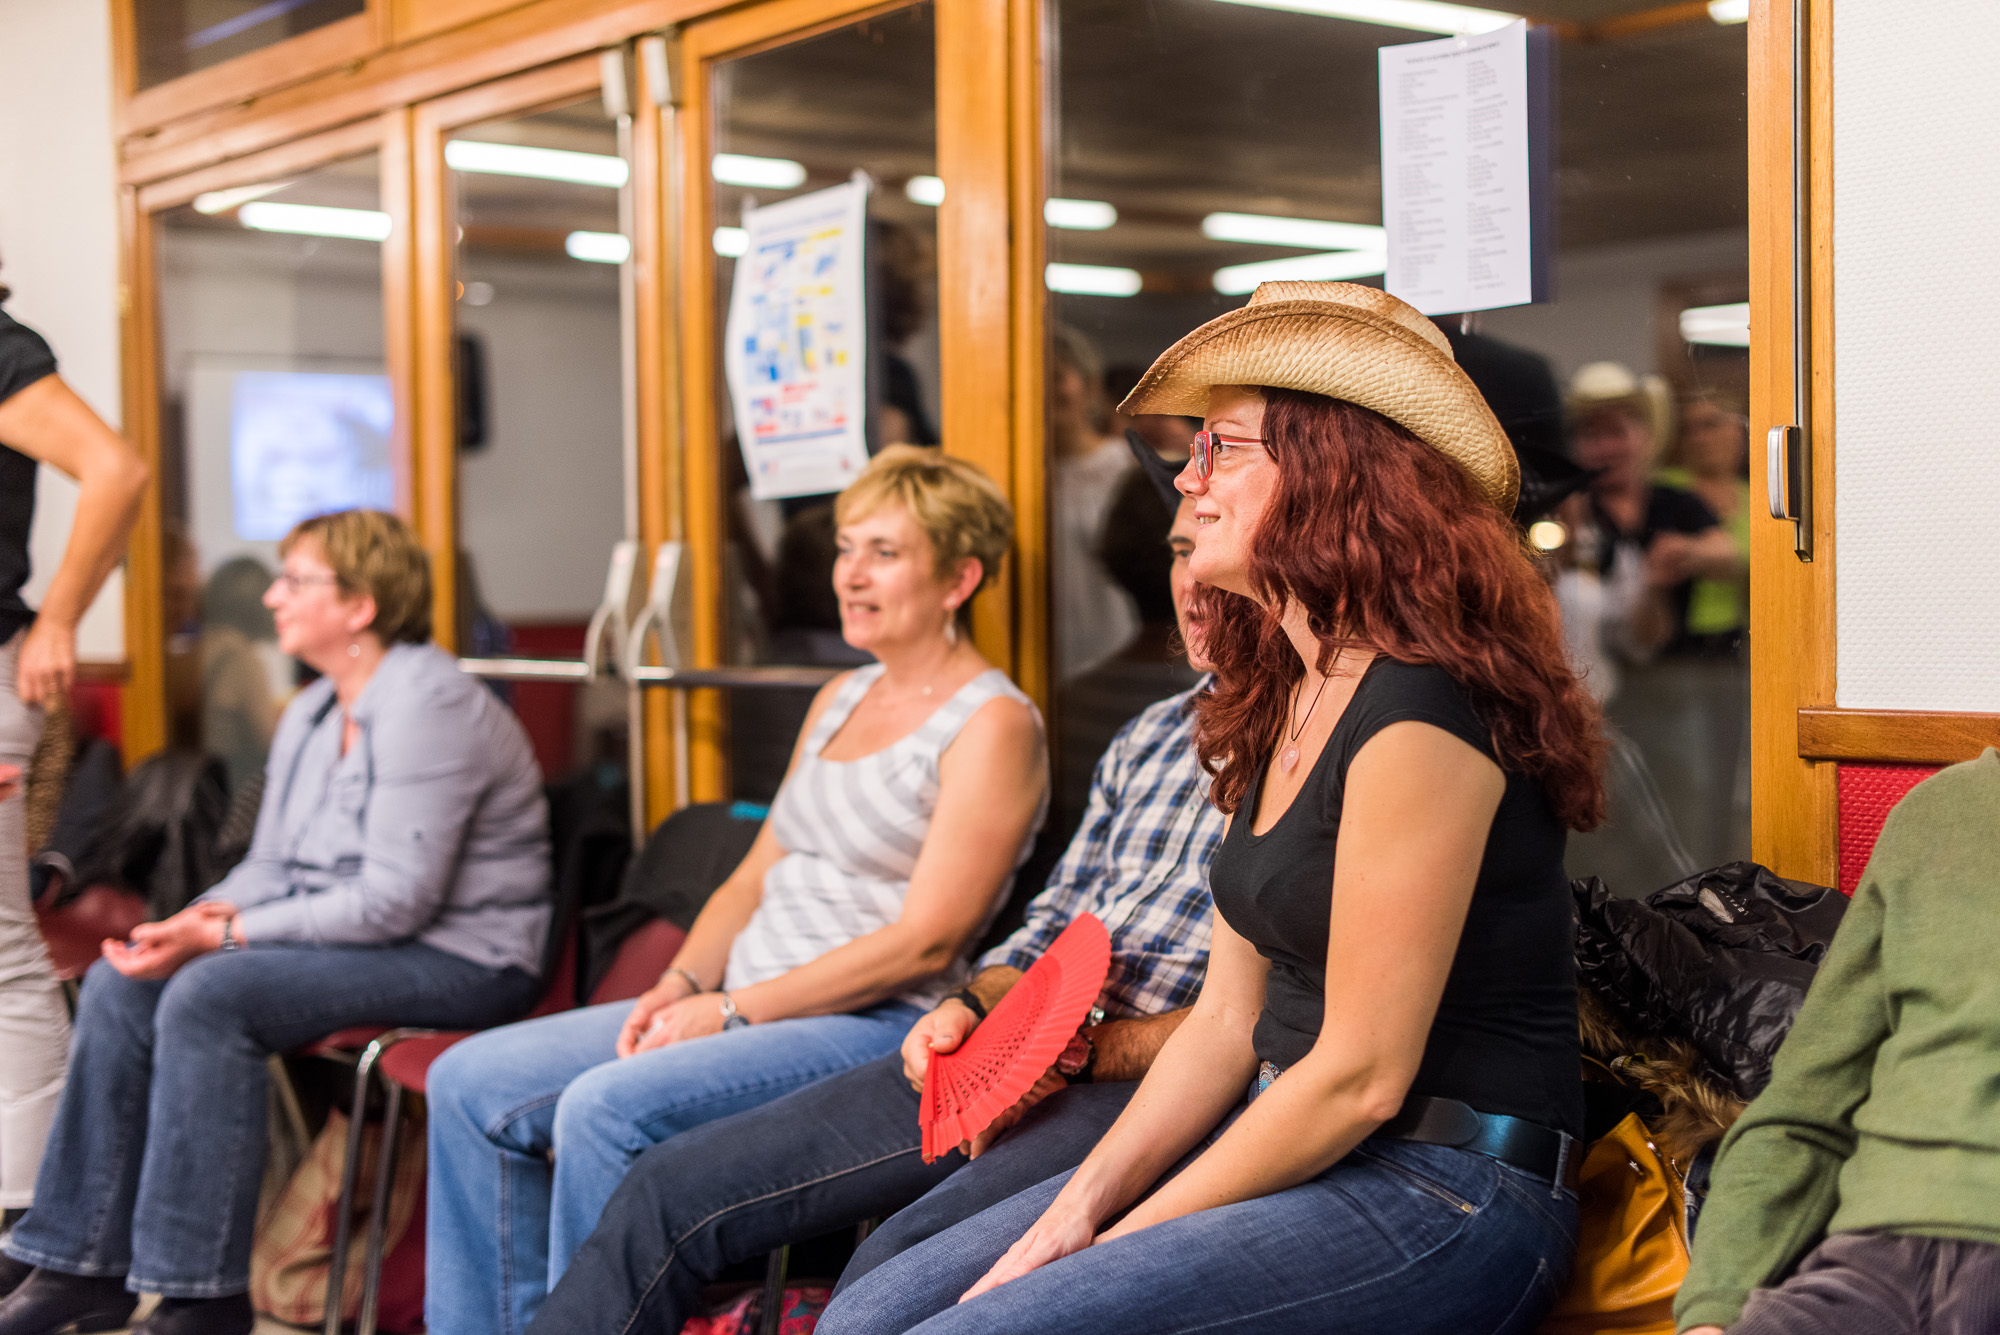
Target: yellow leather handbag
x,y
1632,1246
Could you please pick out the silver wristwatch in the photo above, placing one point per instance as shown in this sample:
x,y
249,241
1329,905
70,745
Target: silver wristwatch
x,y
229,941
731,1017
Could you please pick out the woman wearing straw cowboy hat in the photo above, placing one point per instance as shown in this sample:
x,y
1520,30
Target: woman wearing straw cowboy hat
x,y
1367,1122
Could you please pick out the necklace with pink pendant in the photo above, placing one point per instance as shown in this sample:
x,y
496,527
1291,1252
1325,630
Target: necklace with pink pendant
x,y
1288,759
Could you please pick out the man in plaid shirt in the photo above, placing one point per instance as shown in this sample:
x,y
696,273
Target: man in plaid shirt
x,y
846,1150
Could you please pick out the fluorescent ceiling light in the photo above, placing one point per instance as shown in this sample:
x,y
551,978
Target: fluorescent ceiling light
x,y
1095,280
598,247
1720,326
730,241
925,190
1729,11
315,220
1305,233
1418,15
1081,215
222,201
1338,267
545,164
757,173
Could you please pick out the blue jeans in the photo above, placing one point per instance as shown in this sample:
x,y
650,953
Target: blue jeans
x,y
153,1167
826,1157
504,1222
1395,1237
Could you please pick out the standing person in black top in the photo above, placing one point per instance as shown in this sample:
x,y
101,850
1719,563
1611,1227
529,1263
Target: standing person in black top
x,y
1682,706
1400,746
41,421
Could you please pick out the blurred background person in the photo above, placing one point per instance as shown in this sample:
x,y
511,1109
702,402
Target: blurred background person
x,y
1648,542
1138,552
239,650
1093,616
41,421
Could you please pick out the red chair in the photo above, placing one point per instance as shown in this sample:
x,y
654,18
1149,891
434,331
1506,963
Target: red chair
x,y
403,1058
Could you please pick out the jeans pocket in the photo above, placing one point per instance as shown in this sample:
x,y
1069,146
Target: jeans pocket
x,y
1430,1186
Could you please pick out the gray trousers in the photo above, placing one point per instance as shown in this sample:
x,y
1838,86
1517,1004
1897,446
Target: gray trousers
x,y
1882,1284
34,1022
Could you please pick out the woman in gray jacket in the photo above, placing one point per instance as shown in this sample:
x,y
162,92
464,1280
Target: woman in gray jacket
x,y
399,875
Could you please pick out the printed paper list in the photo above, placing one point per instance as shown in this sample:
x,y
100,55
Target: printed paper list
x,y
1455,179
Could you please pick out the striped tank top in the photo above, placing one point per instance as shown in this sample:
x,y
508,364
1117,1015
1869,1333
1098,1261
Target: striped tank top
x,y
851,831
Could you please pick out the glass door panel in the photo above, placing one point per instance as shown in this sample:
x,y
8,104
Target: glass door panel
x,y
534,204
790,120
275,406
1201,147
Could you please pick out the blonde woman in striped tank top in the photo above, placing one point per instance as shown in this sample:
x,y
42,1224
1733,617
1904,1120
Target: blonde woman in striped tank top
x,y
914,793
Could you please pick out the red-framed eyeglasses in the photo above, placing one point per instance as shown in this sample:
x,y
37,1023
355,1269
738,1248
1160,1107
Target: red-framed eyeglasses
x,y
1202,450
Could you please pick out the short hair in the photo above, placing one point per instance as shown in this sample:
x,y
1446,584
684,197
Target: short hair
x,y
956,505
375,553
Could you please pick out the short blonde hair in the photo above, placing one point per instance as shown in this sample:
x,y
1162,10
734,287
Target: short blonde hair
x,y
956,505
378,554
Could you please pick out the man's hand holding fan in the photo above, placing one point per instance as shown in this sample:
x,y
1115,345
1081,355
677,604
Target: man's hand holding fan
x,y
976,1091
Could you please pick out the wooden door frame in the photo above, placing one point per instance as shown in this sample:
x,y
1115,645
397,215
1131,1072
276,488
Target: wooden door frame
x,y
432,303
144,722
1793,640
989,320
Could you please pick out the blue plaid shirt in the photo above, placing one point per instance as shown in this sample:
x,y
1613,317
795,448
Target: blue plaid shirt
x,y
1140,863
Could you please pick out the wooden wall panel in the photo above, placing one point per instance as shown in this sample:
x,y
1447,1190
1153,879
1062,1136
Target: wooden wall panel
x,y
975,287
655,148
413,20
508,43
1893,736
701,514
144,705
434,411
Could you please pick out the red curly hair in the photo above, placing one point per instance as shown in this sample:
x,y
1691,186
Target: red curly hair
x,y
1388,546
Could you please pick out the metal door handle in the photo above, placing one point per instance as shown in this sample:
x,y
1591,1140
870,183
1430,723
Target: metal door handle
x,y
1788,448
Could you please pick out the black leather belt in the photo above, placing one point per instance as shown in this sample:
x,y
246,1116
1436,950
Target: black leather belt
x,y
1529,1146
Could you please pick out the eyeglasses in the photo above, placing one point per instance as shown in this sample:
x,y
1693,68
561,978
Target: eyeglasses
x,y
1206,445
292,583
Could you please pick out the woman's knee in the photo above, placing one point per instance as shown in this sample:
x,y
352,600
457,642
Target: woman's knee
x,y
205,994
600,1109
109,996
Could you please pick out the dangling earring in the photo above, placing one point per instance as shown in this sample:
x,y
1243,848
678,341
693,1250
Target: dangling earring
x,y
354,649
951,624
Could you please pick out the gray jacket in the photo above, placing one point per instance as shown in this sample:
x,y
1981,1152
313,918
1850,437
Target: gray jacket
x,y
431,828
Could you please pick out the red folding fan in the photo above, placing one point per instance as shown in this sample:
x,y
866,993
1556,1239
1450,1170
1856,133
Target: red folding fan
x,y
1014,1045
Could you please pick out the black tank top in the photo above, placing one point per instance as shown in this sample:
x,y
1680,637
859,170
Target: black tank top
x,y
24,359
1505,1036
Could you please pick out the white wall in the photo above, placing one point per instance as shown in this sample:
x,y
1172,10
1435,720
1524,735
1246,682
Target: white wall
x,y
59,239
1916,190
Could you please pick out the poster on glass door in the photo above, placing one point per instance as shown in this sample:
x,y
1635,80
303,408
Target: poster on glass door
x,y
1466,169
795,349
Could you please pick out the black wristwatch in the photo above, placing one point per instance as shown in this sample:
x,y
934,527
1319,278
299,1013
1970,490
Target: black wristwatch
x,y
1077,1062
969,999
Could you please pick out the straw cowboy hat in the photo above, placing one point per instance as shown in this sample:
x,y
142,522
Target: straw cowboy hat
x,y
1614,385
1348,342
